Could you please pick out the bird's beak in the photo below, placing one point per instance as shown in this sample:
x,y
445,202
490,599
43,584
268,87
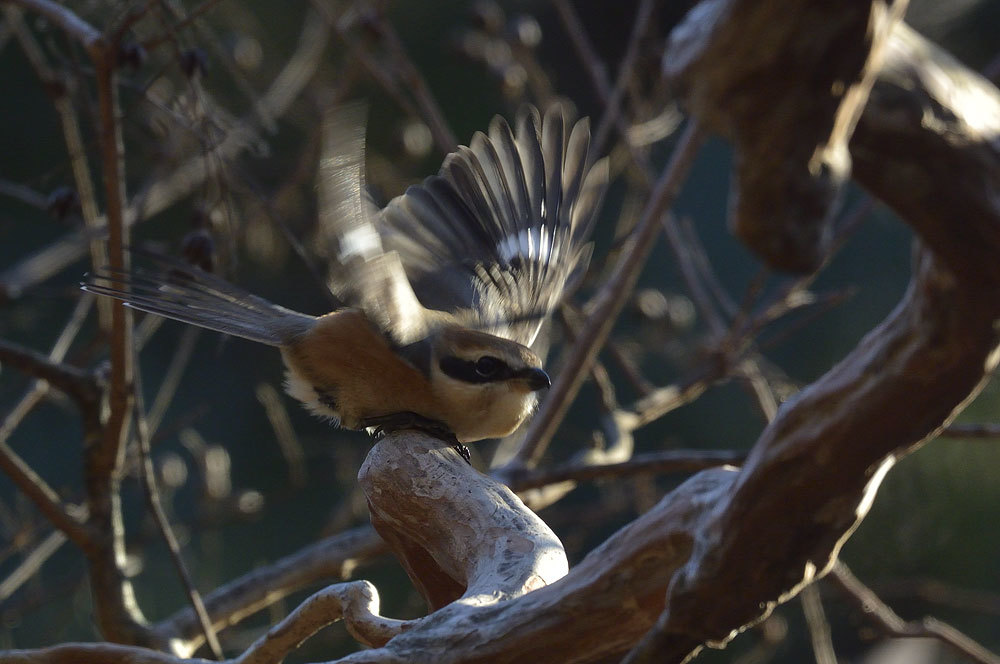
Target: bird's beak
x,y
536,379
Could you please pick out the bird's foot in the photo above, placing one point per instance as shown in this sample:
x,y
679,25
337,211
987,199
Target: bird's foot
x,y
384,424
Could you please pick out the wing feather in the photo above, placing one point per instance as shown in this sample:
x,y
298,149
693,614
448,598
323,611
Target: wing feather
x,y
362,272
176,290
502,230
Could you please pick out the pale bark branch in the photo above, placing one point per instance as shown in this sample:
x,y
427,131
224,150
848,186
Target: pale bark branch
x,y
458,533
335,557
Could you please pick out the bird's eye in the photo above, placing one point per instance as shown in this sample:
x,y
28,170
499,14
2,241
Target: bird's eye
x,y
487,366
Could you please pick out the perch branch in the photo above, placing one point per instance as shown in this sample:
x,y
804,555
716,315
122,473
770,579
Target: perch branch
x,y
458,533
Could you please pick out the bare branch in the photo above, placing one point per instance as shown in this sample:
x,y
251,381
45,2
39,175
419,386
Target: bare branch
x,y
458,533
878,612
782,213
152,494
66,19
117,612
608,303
668,461
357,602
413,81
975,431
76,383
106,653
184,179
335,557
70,522
31,564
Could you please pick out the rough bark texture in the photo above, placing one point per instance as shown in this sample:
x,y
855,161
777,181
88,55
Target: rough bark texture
x,y
929,146
730,545
602,606
786,83
458,533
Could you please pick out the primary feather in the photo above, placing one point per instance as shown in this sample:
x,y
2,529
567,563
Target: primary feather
x,y
502,230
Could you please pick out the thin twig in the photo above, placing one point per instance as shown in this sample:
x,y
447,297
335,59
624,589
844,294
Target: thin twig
x,y
179,361
76,383
869,604
703,267
31,563
191,16
570,318
69,521
938,592
181,181
334,557
152,495
652,463
692,277
415,83
612,108
66,19
599,78
284,433
972,431
609,302
23,194
819,626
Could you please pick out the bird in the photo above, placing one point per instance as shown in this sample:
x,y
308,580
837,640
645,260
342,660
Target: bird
x,y
445,290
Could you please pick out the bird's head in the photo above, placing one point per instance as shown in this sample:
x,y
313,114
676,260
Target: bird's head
x,y
489,383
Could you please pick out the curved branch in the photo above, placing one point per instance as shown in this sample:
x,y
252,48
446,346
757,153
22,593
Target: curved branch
x,y
334,557
812,475
356,602
787,83
458,533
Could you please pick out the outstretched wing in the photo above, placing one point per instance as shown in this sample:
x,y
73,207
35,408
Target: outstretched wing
x,y
502,229
363,273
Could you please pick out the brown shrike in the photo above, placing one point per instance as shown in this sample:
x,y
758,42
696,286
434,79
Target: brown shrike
x,y
446,288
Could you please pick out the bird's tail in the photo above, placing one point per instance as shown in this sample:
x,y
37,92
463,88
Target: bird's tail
x,y
174,289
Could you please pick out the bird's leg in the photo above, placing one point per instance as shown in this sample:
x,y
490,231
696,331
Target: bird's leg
x,y
383,424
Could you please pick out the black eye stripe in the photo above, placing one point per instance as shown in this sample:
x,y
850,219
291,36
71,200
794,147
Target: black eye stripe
x,y
465,370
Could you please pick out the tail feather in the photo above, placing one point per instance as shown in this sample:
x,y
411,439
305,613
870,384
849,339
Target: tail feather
x,y
192,296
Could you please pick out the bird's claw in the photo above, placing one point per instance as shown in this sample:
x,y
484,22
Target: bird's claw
x,y
385,424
